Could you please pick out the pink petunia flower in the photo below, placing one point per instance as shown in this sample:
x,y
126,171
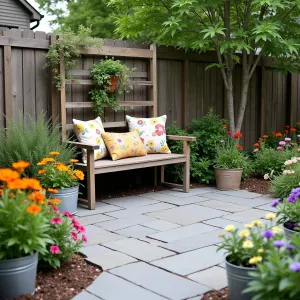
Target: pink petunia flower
x,y
55,209
255,150
81,229
282,143
74,236
279,148
67,214
56,221
84,238
54,249
287,139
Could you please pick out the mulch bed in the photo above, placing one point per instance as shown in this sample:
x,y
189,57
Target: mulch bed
x,y
256,185
217,295
64,283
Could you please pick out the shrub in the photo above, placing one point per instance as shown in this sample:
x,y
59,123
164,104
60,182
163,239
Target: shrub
x,y
31,142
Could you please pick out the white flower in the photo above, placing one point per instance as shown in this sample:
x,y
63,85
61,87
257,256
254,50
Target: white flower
x,y
266,176
294,160
288,172
288,162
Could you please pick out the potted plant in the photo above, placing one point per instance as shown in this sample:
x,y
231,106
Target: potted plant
x,y
229,162
23,231
60,181
110,78
244,250
289,212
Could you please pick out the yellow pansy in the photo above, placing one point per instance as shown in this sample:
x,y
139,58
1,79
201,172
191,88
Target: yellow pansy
x,y
248,226
221,234
150,143
276,229
257,223
255,260
261,250
247,244
244,233
270,216
229,228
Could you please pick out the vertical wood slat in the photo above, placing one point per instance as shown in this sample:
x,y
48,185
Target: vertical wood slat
x,y
54,92
153,72
8,83
263,100
293,98
186,91
63,111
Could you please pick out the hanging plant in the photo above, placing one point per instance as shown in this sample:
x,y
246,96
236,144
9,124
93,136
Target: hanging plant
x,y
69,46
110,78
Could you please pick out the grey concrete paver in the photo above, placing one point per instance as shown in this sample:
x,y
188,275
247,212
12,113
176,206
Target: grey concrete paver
x,y
229,207
94,230
110,287
246,216
159,281
140,210
161,225
181,232
240,194
101,208
187,214
136,231
88,220
179,193
191,262
86,296
125,222
130,201
138,249
221,223
92,250
268,208
102,238
214,277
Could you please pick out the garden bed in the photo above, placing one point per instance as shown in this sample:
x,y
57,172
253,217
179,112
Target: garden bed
x,y
66,282
217,295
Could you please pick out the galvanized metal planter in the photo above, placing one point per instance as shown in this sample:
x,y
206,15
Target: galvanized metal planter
x,y
69,199
228,179
238,279
289,232
17,276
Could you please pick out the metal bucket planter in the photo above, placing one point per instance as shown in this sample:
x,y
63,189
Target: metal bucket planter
x,y
68,197
238,279
289,232
17,276
228,179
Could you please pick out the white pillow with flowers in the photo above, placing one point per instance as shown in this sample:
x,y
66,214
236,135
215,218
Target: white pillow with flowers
x,y
152,132
89,132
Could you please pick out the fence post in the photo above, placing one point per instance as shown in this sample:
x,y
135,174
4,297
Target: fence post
x,y
186,93
8,93
293,78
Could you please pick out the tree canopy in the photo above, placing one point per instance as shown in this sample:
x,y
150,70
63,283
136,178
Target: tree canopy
x,y
89,13
240,31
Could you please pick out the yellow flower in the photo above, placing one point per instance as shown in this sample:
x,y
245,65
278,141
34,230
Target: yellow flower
x,y
98,140
53,191
54,153
153,121
257,223
270,216
248,226
221,234
92,125
73,161
150,143
255,260
247,244
80,127
165,149
276,229
98,155
244,233
261,250
79,174
229,228
62,168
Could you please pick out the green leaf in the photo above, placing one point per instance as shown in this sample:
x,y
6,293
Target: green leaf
x,y
284,284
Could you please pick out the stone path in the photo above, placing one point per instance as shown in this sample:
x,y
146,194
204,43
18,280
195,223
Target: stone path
x,y
163,245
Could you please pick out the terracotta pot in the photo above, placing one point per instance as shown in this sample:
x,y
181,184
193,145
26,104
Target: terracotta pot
x,y
228,179
113,83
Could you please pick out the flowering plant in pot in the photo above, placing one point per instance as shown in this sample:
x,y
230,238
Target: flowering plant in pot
x,y
24,231
60,181
244,250
230,162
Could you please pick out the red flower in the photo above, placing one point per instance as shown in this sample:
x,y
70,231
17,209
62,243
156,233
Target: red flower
x,y
56,220
160,129
140,122
256,145
239,147
293,129
287,126
229,133
54,249
67,214
237,135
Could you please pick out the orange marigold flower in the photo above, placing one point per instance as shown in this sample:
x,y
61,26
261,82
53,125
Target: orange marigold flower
x,y
1,192
37,197
41,163
45,161
224,126
79,174
286,131
8,175
41,172
33,209
237,135
265,136
298,123
239,147
54,201
273,133
54,153
62,168
278,134
33,184
53,191
73,161
17,184
21,165
256,145
292,129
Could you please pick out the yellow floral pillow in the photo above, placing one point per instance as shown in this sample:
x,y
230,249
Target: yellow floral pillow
x,y
152,132
89,132
122,145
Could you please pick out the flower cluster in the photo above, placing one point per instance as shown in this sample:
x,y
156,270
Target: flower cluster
x,y
56,175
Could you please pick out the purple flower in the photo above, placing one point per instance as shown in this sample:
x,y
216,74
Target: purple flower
x,y
279,148
279,243
255,150
287,139
275,202
294,195
291,225
282,143
295,267
289,247
268,234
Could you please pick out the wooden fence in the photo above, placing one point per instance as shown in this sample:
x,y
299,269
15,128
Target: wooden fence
x,y
185,89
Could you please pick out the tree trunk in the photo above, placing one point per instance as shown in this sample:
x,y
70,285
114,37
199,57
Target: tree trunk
x,y
244,96
230,104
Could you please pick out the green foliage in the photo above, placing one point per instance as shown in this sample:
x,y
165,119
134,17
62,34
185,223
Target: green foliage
x,y
67,234
68,47
273,279
31,140
289,211
22,233
101,74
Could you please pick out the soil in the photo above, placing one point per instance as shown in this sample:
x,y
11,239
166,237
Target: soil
x,y
256,185
217,295
64,283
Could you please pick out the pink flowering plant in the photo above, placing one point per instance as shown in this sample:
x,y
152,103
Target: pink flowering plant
x,y
249,246
67,234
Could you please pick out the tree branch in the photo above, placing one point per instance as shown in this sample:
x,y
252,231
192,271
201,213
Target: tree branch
x,y
220,60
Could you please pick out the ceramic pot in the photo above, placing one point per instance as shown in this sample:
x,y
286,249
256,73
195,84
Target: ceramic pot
x,y
228,179
17,276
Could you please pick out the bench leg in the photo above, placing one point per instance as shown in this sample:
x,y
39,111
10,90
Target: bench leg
x,y
186,170
162,174
91,189
155,176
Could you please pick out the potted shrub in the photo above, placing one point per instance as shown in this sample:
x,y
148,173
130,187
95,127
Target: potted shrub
x,y
23,231
229,163
244,250
61,181
110,78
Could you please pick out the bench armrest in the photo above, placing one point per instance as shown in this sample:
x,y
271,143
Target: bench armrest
x,y
85,146
181,138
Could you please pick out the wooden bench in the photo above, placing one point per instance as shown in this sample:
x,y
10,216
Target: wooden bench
x,y
103,166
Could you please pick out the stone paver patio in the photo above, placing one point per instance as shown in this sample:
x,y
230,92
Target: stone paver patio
x,y
163,245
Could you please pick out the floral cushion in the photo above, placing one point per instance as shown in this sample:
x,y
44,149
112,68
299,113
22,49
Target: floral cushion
x,y
152,132
122,145
89,132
